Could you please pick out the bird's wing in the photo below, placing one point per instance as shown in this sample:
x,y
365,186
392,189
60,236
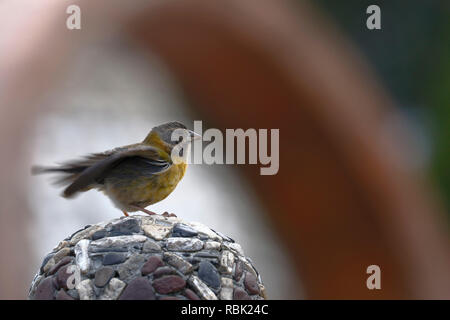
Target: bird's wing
x,y
94,168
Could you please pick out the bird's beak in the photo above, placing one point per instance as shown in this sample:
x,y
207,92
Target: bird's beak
x,y
194,135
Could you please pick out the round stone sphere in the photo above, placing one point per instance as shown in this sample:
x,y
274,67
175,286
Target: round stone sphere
x,y
147,258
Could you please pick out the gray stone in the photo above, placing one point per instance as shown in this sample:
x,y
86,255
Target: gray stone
x,y
178,262
82,256
85,290
208,274
127,226
204,230
212,245
113,289
151,246
113,258
131,267
226,262
201,288
183,230
184,244
99,234
157,232
226,293
102,276
115,242
84,234
235,247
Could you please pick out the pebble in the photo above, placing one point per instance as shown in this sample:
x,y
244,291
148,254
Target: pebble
x,y
131,267
151,246
45,290
115,242
168,284
226,293
113,289
138,289
248,266
99,234
62,276
126,227
113,258
184,244
201,288
61,263
224,237
238,270
85,233
162,271
207,254
50,263
82,255
102,276
61,254
178,262
226,262
61,245
234,247
240,294
202,229
208,274
44,268
251,283
156,232
191,295
183,230
151,265
85,290
212,245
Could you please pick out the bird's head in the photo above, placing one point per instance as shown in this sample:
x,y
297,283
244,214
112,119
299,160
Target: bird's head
x,y
166,136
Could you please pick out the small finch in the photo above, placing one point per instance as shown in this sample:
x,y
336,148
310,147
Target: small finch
x,y
133,176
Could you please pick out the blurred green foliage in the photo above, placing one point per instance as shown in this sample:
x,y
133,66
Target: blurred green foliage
x,y
411,54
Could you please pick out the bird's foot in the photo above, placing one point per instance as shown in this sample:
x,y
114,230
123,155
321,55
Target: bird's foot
x,y
166,214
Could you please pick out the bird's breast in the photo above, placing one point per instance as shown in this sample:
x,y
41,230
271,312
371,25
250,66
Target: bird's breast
x,y
144,191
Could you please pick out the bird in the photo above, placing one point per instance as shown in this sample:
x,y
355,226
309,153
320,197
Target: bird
x,y
132,176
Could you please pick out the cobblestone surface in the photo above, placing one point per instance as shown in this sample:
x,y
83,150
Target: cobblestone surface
x,y
147,258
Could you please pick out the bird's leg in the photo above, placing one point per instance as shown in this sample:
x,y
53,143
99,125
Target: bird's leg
x,y
151,213
125,213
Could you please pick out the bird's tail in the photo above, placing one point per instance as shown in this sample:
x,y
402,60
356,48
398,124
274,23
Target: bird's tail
x,y
68,174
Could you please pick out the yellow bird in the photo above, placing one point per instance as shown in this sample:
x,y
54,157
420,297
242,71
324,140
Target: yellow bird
x,y
133,176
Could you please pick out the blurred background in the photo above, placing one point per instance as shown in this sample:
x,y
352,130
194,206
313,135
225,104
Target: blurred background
x,y
364,119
